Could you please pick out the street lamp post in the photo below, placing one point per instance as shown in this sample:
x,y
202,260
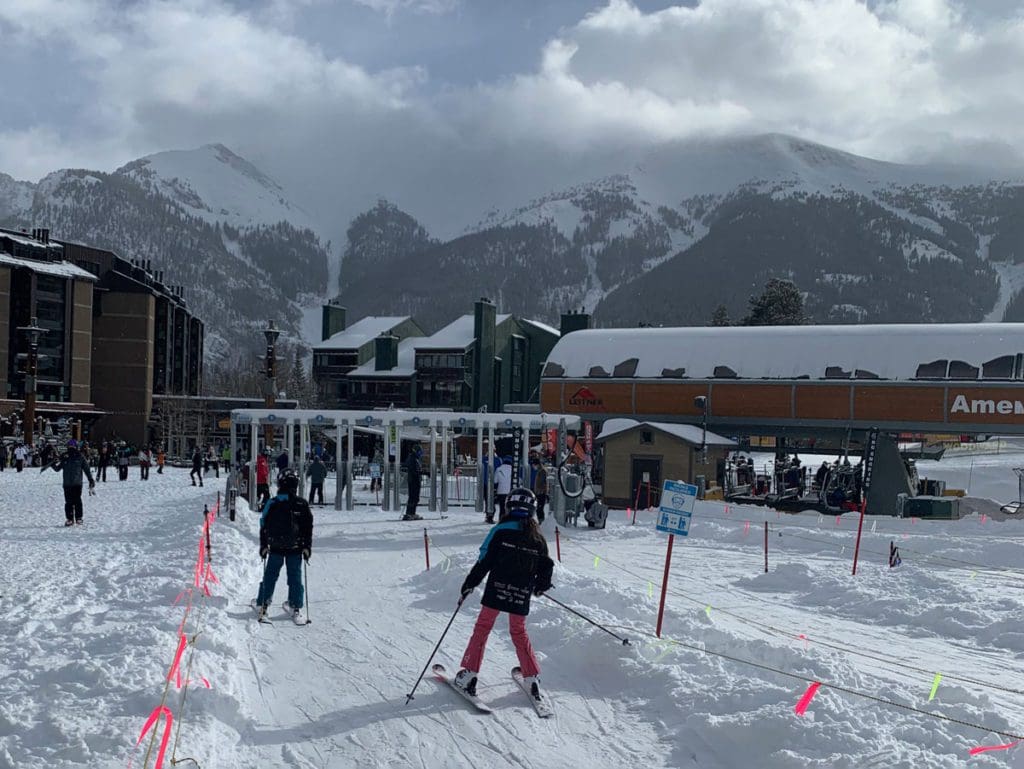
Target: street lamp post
x,y
701,402
271,332
32,331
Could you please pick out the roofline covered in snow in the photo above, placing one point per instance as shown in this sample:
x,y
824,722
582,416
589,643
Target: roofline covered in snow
x,y
889,352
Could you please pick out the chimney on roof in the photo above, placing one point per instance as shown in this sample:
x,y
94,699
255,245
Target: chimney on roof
x,y
385,352
574,321
332,320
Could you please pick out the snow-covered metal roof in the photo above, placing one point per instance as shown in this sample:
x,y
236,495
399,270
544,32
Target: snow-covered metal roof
x,y
690,433
60,269
406,363
361,332
457,335
781,352
542,326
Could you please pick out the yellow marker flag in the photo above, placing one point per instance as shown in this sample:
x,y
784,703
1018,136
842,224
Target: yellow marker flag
x,y
935,686
650,590
974,574
597,560
707,610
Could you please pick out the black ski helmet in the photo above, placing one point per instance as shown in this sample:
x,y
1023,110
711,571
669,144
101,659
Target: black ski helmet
x,y
521,503
288,482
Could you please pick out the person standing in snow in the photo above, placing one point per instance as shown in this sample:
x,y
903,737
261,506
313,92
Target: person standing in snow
x,y
540,486
286,538
317,474
414,471
74,466
282,463
262,479
122,463
145,460
20,455
514,558
161,457
197,466
502,487
103,462
3,456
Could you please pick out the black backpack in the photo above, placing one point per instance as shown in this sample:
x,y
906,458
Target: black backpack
x,y
282,525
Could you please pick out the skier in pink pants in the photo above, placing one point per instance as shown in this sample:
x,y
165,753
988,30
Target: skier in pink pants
x,y
514,558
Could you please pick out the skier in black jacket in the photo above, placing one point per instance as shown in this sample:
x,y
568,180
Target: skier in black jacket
x,y
74,466
286,537
197,466
515,556
414,478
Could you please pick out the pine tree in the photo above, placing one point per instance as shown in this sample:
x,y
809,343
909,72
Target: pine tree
x,y
780,304
720,317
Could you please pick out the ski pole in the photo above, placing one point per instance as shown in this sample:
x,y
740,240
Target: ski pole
x,y
409,697
625,641
305,572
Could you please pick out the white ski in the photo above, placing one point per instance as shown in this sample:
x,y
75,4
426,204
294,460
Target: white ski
x,y
540,704
441,675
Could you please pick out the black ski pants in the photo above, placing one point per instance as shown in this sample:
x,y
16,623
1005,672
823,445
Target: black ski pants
x,y
73,503
316,490
414,499
197,472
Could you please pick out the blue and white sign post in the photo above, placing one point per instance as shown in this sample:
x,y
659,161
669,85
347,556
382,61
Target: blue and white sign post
x,y
677,502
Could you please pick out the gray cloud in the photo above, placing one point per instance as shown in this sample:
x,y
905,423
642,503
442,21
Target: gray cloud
x,y
341,124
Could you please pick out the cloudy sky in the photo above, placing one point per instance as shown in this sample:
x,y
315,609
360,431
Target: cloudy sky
x,y
450,106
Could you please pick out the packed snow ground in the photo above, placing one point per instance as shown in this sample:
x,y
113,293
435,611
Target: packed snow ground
x,y
91,630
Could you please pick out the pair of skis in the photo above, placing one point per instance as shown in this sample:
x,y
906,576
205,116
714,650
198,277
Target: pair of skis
x,y
263,619
540,704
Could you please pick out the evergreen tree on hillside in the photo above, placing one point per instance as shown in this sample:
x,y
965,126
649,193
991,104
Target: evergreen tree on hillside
x,y
720,317
780,304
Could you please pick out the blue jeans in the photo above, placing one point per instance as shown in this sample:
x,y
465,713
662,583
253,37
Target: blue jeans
x,y
293,567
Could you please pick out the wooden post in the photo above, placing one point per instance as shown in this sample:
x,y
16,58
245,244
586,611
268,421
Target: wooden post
x,y
558,544
426,547
664,583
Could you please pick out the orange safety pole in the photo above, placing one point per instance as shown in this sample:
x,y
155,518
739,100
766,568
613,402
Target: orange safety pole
x,y
766,547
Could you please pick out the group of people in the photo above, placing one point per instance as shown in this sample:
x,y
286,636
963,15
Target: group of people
x,y
513,558
18,455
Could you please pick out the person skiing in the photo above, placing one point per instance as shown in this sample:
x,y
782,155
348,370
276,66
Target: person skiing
x,y
262,479
317,474
197,466
73,466
414,470
286,538
514,558
502,487
540,486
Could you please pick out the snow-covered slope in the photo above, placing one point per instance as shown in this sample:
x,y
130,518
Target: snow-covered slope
x,y
216,184
86,648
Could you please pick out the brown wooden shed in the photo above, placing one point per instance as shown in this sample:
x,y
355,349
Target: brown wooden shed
x,y
640,456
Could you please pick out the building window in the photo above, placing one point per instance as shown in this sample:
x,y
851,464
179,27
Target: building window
x,y
998,368
958,369
936,369
647,437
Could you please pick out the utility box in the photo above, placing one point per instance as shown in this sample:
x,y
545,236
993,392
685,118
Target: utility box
x,y
936,508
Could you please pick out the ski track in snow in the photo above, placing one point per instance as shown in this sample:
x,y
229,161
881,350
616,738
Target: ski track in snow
x,y
91,632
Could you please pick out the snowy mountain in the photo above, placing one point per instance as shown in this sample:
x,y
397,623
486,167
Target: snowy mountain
x,y
209,219
704,223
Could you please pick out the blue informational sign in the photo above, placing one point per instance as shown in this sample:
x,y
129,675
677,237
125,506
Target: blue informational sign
x,y
677,501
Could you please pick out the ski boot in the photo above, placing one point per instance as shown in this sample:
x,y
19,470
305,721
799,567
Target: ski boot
x,y
466,680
